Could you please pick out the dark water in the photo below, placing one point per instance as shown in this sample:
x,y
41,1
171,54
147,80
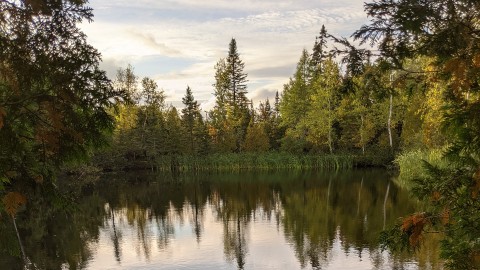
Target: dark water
x,y
283,220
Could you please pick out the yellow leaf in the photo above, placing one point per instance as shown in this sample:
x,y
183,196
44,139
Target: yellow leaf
x,y
13,201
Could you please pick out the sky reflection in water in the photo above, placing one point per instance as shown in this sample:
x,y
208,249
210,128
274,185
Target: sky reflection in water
x,y
314,220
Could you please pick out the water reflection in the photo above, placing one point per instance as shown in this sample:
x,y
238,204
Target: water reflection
x,y
307,220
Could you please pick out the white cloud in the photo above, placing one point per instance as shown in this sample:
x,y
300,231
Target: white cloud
x,y
270,37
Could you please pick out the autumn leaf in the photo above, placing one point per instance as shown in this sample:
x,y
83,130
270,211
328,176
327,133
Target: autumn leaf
x,y
413,227
13,201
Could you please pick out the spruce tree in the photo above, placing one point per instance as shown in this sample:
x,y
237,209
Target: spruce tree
x,y
237,78
191,118
319,54
190,112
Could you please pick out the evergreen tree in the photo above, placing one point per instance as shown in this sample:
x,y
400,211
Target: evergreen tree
x,y
150,116
237,78
319,54
192,123
276,106
174,141
294,106
221,129
232,106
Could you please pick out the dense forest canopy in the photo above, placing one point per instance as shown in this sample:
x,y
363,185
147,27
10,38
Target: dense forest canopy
x,y
419,90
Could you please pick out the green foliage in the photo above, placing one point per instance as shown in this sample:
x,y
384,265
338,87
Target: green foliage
x,y
196,133
231,115
411,166
256,139
295,99
54,99
322,112
446,32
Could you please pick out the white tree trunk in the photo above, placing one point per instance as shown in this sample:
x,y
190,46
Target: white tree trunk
x,y
362,140
390,121
330,122
24,257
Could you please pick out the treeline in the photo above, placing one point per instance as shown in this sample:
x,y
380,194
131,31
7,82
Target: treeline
x,y
339,101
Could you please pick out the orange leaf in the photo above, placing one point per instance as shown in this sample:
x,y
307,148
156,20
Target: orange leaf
x,y
413,227
406,224
13,201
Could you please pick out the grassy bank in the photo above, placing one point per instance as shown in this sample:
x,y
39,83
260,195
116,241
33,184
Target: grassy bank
x,y
234,162
242,161
411,164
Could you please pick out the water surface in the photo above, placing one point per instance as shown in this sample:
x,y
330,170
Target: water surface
x,y
281,220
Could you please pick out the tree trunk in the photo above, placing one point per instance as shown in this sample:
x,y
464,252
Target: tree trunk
x,y
330,122
390,121
24,257
362,140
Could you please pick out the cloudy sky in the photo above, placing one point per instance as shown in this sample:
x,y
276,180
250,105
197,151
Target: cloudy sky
x,y
178,42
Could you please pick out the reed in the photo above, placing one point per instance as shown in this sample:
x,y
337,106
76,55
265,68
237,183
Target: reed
x,y
254,161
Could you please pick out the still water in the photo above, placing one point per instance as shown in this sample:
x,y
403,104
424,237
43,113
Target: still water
x,y
280,220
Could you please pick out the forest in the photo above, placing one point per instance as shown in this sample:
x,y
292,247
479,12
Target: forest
x,y
367,110
402,91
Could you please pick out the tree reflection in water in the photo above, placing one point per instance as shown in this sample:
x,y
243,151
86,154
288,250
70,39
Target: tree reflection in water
x,y
318,214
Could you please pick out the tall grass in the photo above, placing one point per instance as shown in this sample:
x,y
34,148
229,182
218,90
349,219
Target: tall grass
x,y
411,164
253,161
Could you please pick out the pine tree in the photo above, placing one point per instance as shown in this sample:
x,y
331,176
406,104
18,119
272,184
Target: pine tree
x,y
232,106
276,106
237,78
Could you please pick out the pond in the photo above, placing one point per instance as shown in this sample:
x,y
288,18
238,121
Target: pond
x,y
267,220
